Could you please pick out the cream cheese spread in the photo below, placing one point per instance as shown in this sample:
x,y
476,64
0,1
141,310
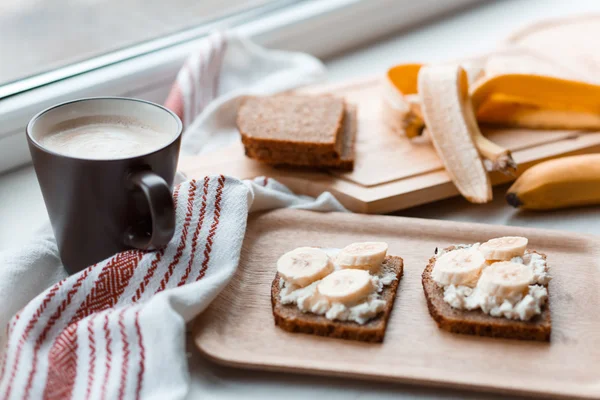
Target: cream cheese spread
x,y
308,299
518,307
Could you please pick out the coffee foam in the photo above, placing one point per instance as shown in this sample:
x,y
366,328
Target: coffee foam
x,y
103,137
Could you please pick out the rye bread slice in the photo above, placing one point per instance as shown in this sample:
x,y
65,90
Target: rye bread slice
x,y
288,317
292,123
302,158
476,322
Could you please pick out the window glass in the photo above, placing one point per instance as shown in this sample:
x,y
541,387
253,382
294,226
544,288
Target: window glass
x,y
39,36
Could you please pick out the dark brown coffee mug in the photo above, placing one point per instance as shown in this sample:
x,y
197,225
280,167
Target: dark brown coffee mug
x,y
99,207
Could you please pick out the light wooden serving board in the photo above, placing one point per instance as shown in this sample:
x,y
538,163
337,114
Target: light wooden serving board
x,y
391,171
238,329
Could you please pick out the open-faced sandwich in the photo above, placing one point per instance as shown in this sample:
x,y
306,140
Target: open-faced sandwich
x,y
498,288
346,293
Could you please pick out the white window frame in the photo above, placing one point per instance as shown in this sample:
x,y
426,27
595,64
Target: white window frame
x,y
319,27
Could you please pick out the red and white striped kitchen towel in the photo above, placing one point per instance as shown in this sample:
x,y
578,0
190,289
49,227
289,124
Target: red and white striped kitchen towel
x,y
116,330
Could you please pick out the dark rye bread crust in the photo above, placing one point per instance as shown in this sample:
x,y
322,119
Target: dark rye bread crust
x,y
290,318
297,147
476,322
346,160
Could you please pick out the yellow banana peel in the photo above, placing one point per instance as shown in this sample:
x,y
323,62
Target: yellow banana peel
x,y
515,100
401,106
538,102
404,77
544,91
511,111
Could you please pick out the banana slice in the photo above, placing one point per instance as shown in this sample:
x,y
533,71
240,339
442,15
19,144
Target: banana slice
x,y
346,286
304,265
504,248
366,255
458,267
505,279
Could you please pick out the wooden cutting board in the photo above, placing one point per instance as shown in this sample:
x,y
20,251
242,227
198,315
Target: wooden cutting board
x,y
391,171
238,330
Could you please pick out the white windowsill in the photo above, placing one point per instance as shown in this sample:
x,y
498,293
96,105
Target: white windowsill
x,y
318,27
150,77
22,209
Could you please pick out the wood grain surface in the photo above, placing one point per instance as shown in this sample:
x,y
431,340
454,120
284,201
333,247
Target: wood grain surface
x,y
391,172
238,329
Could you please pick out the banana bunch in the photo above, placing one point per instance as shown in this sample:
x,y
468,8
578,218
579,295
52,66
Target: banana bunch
x,y
449,101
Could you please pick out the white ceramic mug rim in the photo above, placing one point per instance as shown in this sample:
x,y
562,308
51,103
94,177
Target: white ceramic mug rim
x,y
41,114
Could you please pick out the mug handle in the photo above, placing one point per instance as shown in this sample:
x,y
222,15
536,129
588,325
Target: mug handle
x,y
162,211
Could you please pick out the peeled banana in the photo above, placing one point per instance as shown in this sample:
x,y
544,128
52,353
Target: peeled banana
x,y
439,100
447,112
559,183
403,112
402,103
